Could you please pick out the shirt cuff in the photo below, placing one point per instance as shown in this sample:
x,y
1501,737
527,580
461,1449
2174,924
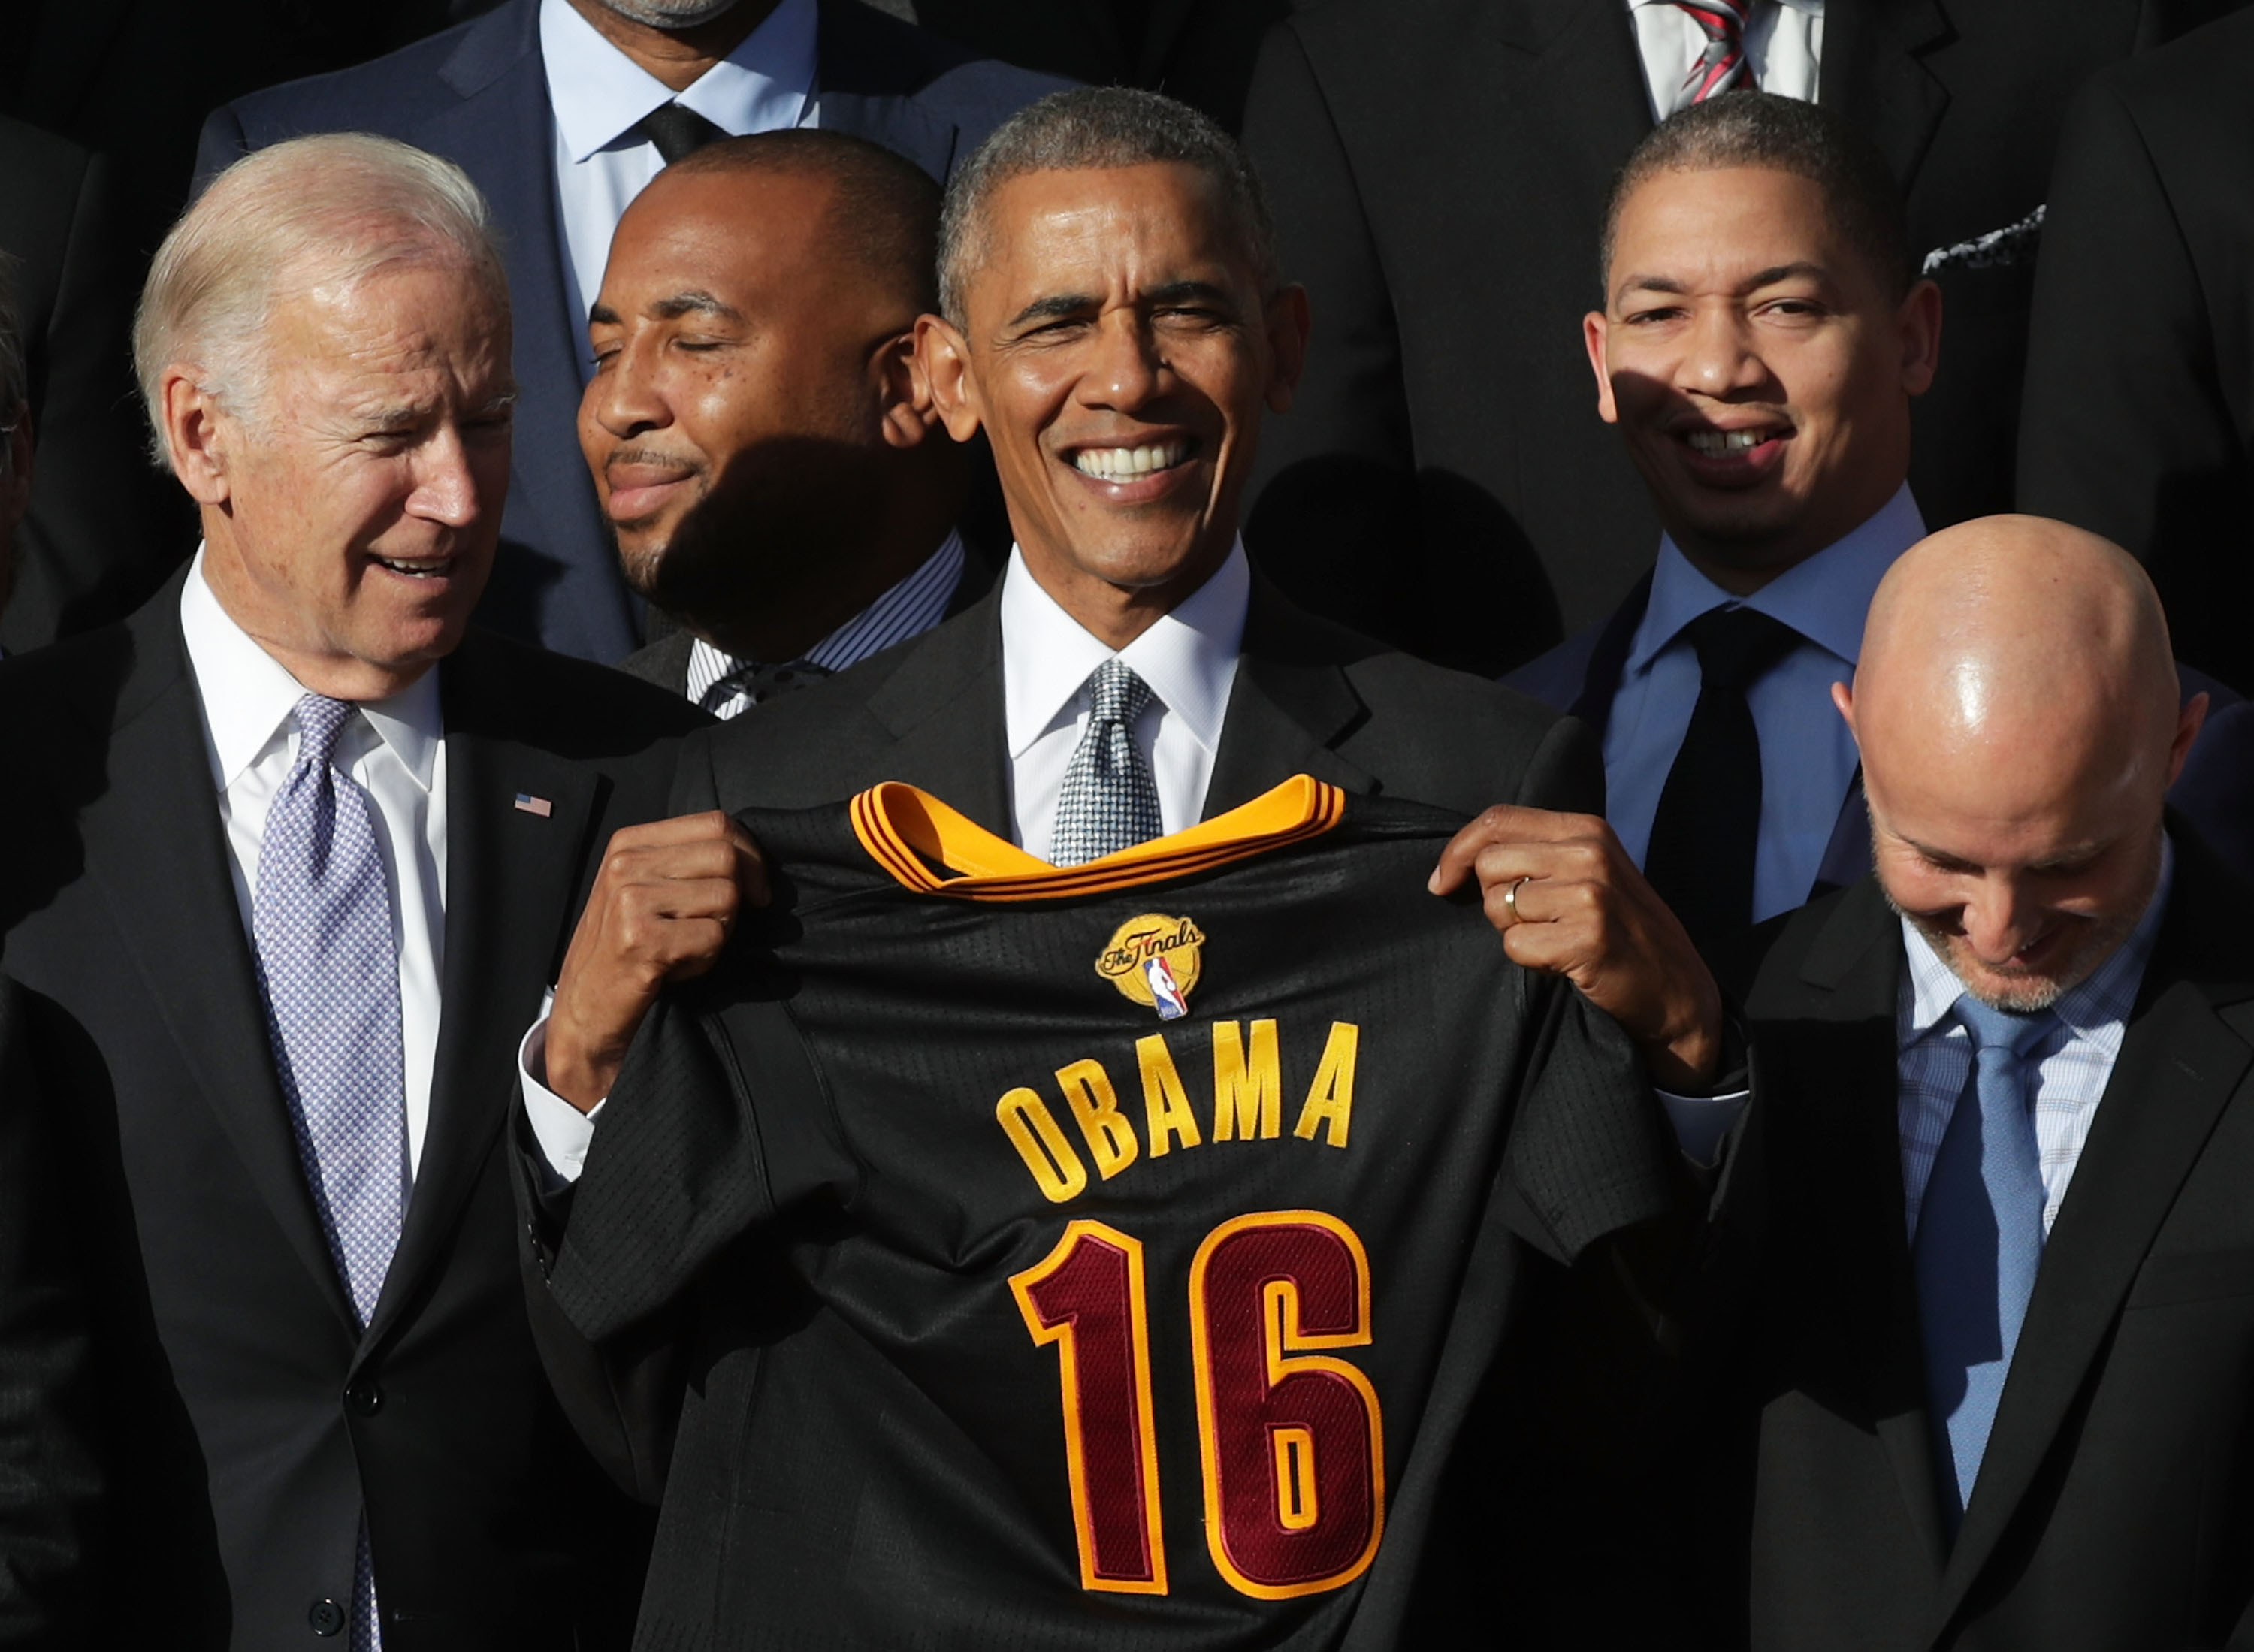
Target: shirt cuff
x,y
563,1132
1702,1123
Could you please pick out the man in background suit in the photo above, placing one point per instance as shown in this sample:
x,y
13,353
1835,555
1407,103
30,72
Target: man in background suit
x,y
291,856
1760,347
1439,169
561,111
101,534
2138,411
763,448
1993,1382
1129,676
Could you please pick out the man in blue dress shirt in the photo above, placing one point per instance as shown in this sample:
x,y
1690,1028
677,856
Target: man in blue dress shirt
x,y
1760,341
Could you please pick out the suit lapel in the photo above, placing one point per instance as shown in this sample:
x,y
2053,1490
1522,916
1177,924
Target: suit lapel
x,y
2177,1071
511,874
1855,1190
153,844
1873,73
943,707
1290,705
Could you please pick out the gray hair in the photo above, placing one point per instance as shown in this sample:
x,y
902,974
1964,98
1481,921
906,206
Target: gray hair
x,y
1097,127
15,381
1778,133
335,208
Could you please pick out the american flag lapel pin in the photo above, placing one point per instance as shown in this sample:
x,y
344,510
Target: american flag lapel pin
x,y
532,805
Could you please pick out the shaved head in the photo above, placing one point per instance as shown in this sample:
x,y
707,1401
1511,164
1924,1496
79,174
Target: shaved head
x,y
2017,708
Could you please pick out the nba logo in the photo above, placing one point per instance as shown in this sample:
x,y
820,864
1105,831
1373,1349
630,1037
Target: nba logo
x,y
1172,1006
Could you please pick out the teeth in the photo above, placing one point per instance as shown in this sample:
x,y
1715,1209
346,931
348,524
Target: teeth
x,y
416,570
1714,444
1124,463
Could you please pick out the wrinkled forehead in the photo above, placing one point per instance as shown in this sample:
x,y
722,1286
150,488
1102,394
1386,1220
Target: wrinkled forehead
x,y
1721,225
1109,232
437,318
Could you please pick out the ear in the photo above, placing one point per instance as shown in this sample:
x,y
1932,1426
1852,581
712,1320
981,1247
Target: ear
x,y
1843,697
1289,320
943,361
1918,320
905,413
195,432
2189,722
1594,332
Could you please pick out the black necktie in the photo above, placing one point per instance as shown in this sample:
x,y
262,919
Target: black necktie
x,y
1704,835
757,683
676,130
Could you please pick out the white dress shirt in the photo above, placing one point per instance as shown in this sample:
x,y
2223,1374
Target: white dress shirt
x,y
1784,43
907,609
1807,756
600,95
395,750
1188,658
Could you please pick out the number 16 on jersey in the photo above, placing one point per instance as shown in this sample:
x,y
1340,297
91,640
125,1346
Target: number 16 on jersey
x,y
1290,1440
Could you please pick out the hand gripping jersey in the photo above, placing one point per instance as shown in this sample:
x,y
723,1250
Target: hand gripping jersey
x,y
1100,1258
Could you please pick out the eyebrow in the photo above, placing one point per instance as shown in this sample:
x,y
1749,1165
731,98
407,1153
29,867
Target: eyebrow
x,y
1767,278
695,302
1062,305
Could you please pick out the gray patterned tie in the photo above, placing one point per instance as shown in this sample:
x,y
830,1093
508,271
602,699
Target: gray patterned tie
x,y
322,919
1110,801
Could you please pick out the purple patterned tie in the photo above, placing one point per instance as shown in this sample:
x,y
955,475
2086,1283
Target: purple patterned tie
x,y
330,968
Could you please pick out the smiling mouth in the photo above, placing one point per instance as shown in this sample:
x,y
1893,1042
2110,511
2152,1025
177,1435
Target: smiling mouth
x,y
416,567
1726,443
1130,464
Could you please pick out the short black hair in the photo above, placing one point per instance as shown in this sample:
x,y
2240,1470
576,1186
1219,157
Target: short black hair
x,y
1784,135
1097,127
884,209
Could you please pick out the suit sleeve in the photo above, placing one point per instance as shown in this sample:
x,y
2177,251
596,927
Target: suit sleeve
x,y
2124,429
218,146
1334,479
50,1478
1566,773
99,539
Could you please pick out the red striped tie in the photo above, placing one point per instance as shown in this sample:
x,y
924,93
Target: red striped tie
x,y
1722,65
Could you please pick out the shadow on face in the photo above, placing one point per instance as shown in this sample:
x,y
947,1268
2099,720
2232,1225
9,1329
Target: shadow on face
x,y
1757,365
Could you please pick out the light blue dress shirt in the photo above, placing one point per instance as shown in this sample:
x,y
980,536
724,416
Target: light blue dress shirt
x,y
599,96
1807,757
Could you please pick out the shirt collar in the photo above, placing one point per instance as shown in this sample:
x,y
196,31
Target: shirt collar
x,y
908,608
1825,598
600,95
1188,657
2105,999
249,694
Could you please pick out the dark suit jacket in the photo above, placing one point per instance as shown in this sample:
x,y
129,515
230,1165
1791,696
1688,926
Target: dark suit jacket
x,y
665,662
99,537
1437,168
478,94
2216,792
2115,1506
1198,51
251,1421
2139,415
51,1482
1311,697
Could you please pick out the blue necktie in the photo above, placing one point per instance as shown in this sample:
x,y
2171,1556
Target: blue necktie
x,y
1979,1243
1108,802
322,919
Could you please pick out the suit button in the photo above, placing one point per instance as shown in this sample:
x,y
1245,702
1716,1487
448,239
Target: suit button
x,y
363,1398
327,1617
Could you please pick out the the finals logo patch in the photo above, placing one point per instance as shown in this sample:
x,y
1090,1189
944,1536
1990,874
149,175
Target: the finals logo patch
x,y
1154,960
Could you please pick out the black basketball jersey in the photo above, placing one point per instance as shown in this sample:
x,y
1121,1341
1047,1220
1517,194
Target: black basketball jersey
x,y
1079,1258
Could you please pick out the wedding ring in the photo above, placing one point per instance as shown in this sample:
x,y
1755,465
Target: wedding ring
x,y
1511,900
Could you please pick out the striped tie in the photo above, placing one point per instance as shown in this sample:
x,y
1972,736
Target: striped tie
x,y
1722,65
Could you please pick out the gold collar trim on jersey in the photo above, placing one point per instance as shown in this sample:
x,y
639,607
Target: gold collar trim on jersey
x,y
904,830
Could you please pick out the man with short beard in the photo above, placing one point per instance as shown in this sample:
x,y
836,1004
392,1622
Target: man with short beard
x,y
771,463
1996,1366
561,111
